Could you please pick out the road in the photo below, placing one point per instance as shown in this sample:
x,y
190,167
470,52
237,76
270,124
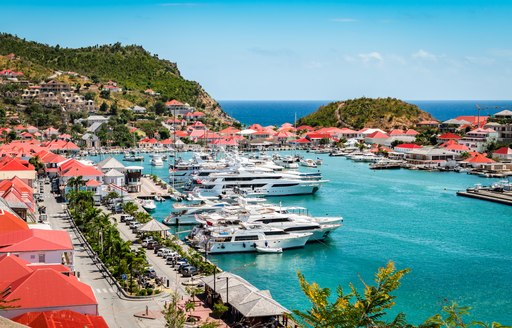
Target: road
x,y
116,310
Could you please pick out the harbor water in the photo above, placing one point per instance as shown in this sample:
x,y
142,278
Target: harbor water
x,y
459,249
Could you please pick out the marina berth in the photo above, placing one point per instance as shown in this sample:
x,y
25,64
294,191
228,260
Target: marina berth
x,y
245,238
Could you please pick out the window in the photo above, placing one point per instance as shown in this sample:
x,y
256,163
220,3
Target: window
x,y
42,258
32,257
244,238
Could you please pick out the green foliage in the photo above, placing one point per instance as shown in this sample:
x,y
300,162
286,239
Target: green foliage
x,y
353,309
174,316
363,112
454,318
427,137
132,67
219,309
42,116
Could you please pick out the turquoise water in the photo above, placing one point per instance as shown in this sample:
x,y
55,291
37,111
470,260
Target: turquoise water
x,y
459,249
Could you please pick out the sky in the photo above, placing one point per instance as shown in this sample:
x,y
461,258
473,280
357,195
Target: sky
x,y
298,50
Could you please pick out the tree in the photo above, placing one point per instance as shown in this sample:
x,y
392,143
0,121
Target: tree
x,y
103,107
105,94
38,165
353,309
160,108
76,183
175,317
89,96
454,318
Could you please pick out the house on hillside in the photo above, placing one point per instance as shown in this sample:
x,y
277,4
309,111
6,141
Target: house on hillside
x,y
478,139
177,108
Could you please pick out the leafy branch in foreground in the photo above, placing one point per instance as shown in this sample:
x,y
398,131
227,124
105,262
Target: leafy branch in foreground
x,y
354,309
369,308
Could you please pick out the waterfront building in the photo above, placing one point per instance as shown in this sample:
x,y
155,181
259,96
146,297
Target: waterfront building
x,y
429,156
504,154
406,147
133,178
110,163
477,139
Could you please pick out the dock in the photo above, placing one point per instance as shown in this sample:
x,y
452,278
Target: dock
x,y
150,189
504,197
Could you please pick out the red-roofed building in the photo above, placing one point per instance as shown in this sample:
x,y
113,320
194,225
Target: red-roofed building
x,y
428,124
300,141
151,92
19,196
73,168
456,148
178,108
306,128
477,160
411,132
448,136
406,147
50,161
396,132
45,290
478,139
229,131
39,246
376,137
9,222
149,143
256,127
62,318
193,116
15,167
181,134
503,154
474,120
62,146
9,74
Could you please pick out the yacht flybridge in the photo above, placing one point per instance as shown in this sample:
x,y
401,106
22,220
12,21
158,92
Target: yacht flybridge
x,y
259,181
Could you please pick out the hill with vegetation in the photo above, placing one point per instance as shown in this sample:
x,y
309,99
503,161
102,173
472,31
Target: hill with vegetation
x,y
384,113
132,67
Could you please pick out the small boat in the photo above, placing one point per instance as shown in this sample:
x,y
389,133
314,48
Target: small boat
x,y
159,198
148,205
269,250
308,163
132,157
319,161
157,160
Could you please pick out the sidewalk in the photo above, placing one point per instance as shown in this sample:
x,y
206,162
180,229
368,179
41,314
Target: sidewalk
x,y
118,312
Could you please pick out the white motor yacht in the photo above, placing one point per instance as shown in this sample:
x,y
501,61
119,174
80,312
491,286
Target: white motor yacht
x,y
156,160
244,238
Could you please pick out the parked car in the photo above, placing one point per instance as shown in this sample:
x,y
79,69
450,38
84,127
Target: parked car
x,y
189,271
162,251
181,266
134,225
157,248
146,240
126,218
150,273
152,244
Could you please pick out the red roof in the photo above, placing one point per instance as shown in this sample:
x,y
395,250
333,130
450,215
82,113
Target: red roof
x,y
61,319
377,135
396,132
503,151
408,146
92,183
12,268
411,132
457,147
301,140
316,135
35,240
479,159
15,164
181,134
73,168
47,157
173,103
305,127
448,136
47,288
473,119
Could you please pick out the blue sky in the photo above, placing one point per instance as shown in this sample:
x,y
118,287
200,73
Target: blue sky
x,y
449,49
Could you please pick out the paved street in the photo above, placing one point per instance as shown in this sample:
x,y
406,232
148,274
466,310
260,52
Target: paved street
x,y
118,312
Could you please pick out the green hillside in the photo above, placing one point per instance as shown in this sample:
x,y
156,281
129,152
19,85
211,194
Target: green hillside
x,y
385,113
132,67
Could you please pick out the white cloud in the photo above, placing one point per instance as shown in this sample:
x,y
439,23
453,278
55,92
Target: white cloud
x,y
371,57
344,20
424,55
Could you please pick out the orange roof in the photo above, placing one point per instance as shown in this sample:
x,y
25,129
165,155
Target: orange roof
x,y
10,223
396,132
256,127
35,240
47,156
47,288
457,147
473,119
173,103
61,319
479,159
92,183
229,130
378,135
449,135
411,132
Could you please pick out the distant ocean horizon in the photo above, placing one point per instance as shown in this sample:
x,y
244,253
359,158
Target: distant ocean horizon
x,y
277,112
